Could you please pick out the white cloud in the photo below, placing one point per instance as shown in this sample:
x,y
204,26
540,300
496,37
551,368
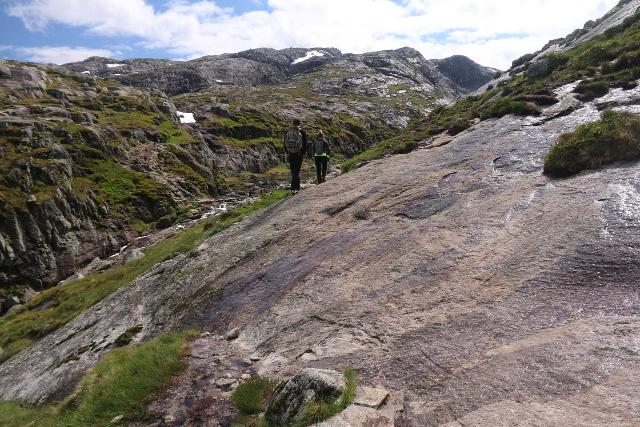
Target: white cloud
x,y
493,32
60,55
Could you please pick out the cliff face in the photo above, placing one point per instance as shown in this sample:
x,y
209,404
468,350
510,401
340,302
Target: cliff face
x,y
75,153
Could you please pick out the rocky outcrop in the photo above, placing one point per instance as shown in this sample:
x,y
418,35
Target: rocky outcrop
x,y
70,147
290,400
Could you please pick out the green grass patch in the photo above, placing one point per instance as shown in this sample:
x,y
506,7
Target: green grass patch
x,y
55,307
591,89
122,383
505,106
251,395
174,133
615,137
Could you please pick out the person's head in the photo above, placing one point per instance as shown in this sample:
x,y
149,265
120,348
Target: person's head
x,y
296,122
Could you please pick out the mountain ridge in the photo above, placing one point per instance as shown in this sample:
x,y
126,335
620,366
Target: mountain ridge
x,y
252,67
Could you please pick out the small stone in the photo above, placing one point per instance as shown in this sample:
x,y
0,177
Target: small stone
x,y
116,419
234,385
232,334
225,383
32,198
246,377
205,334
254,358
370,397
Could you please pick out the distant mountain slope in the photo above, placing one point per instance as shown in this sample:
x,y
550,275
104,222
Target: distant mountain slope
x,y
270,67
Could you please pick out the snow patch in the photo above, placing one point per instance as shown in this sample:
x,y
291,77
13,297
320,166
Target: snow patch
x,y
115,65
309,55
86,72
117,74
186,117
219,81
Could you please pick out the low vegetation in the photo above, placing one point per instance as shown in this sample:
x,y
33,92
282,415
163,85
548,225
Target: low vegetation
x,y
615,137
120,385
251,397
55,307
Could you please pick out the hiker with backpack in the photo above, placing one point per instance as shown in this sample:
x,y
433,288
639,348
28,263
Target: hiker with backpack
x,y
295,144
321,156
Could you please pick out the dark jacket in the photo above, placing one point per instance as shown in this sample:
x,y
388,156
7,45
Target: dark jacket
x,y
304,140
320,146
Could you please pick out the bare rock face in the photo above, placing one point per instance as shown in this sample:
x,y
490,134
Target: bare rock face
x,y
289,400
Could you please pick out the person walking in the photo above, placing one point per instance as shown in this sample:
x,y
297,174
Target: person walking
x,y
295,144
321,156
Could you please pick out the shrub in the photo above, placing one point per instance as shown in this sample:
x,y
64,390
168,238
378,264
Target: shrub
x,y
542,100
616,136
456,126
508,105
591,89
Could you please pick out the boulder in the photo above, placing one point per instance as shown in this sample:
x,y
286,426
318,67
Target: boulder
x,y
232,334
5,71
131,255
290,399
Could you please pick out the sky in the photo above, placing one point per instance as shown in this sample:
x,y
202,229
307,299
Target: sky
x,y
491,32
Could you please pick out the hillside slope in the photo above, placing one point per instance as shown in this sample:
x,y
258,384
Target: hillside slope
x,y
461,278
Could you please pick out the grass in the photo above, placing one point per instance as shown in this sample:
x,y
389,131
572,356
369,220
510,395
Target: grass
x,y
615,137
505,106
251,395
175,134
55,307
122,383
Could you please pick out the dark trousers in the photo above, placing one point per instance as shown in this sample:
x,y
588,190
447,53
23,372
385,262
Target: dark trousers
x,y
295,163
321,168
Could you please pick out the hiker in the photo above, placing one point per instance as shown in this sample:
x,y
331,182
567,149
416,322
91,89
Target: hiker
x,y
295,144
321,155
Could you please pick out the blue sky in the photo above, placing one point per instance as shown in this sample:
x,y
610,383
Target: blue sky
x,y
492,32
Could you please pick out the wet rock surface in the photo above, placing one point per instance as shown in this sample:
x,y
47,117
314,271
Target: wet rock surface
x,y
480,290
